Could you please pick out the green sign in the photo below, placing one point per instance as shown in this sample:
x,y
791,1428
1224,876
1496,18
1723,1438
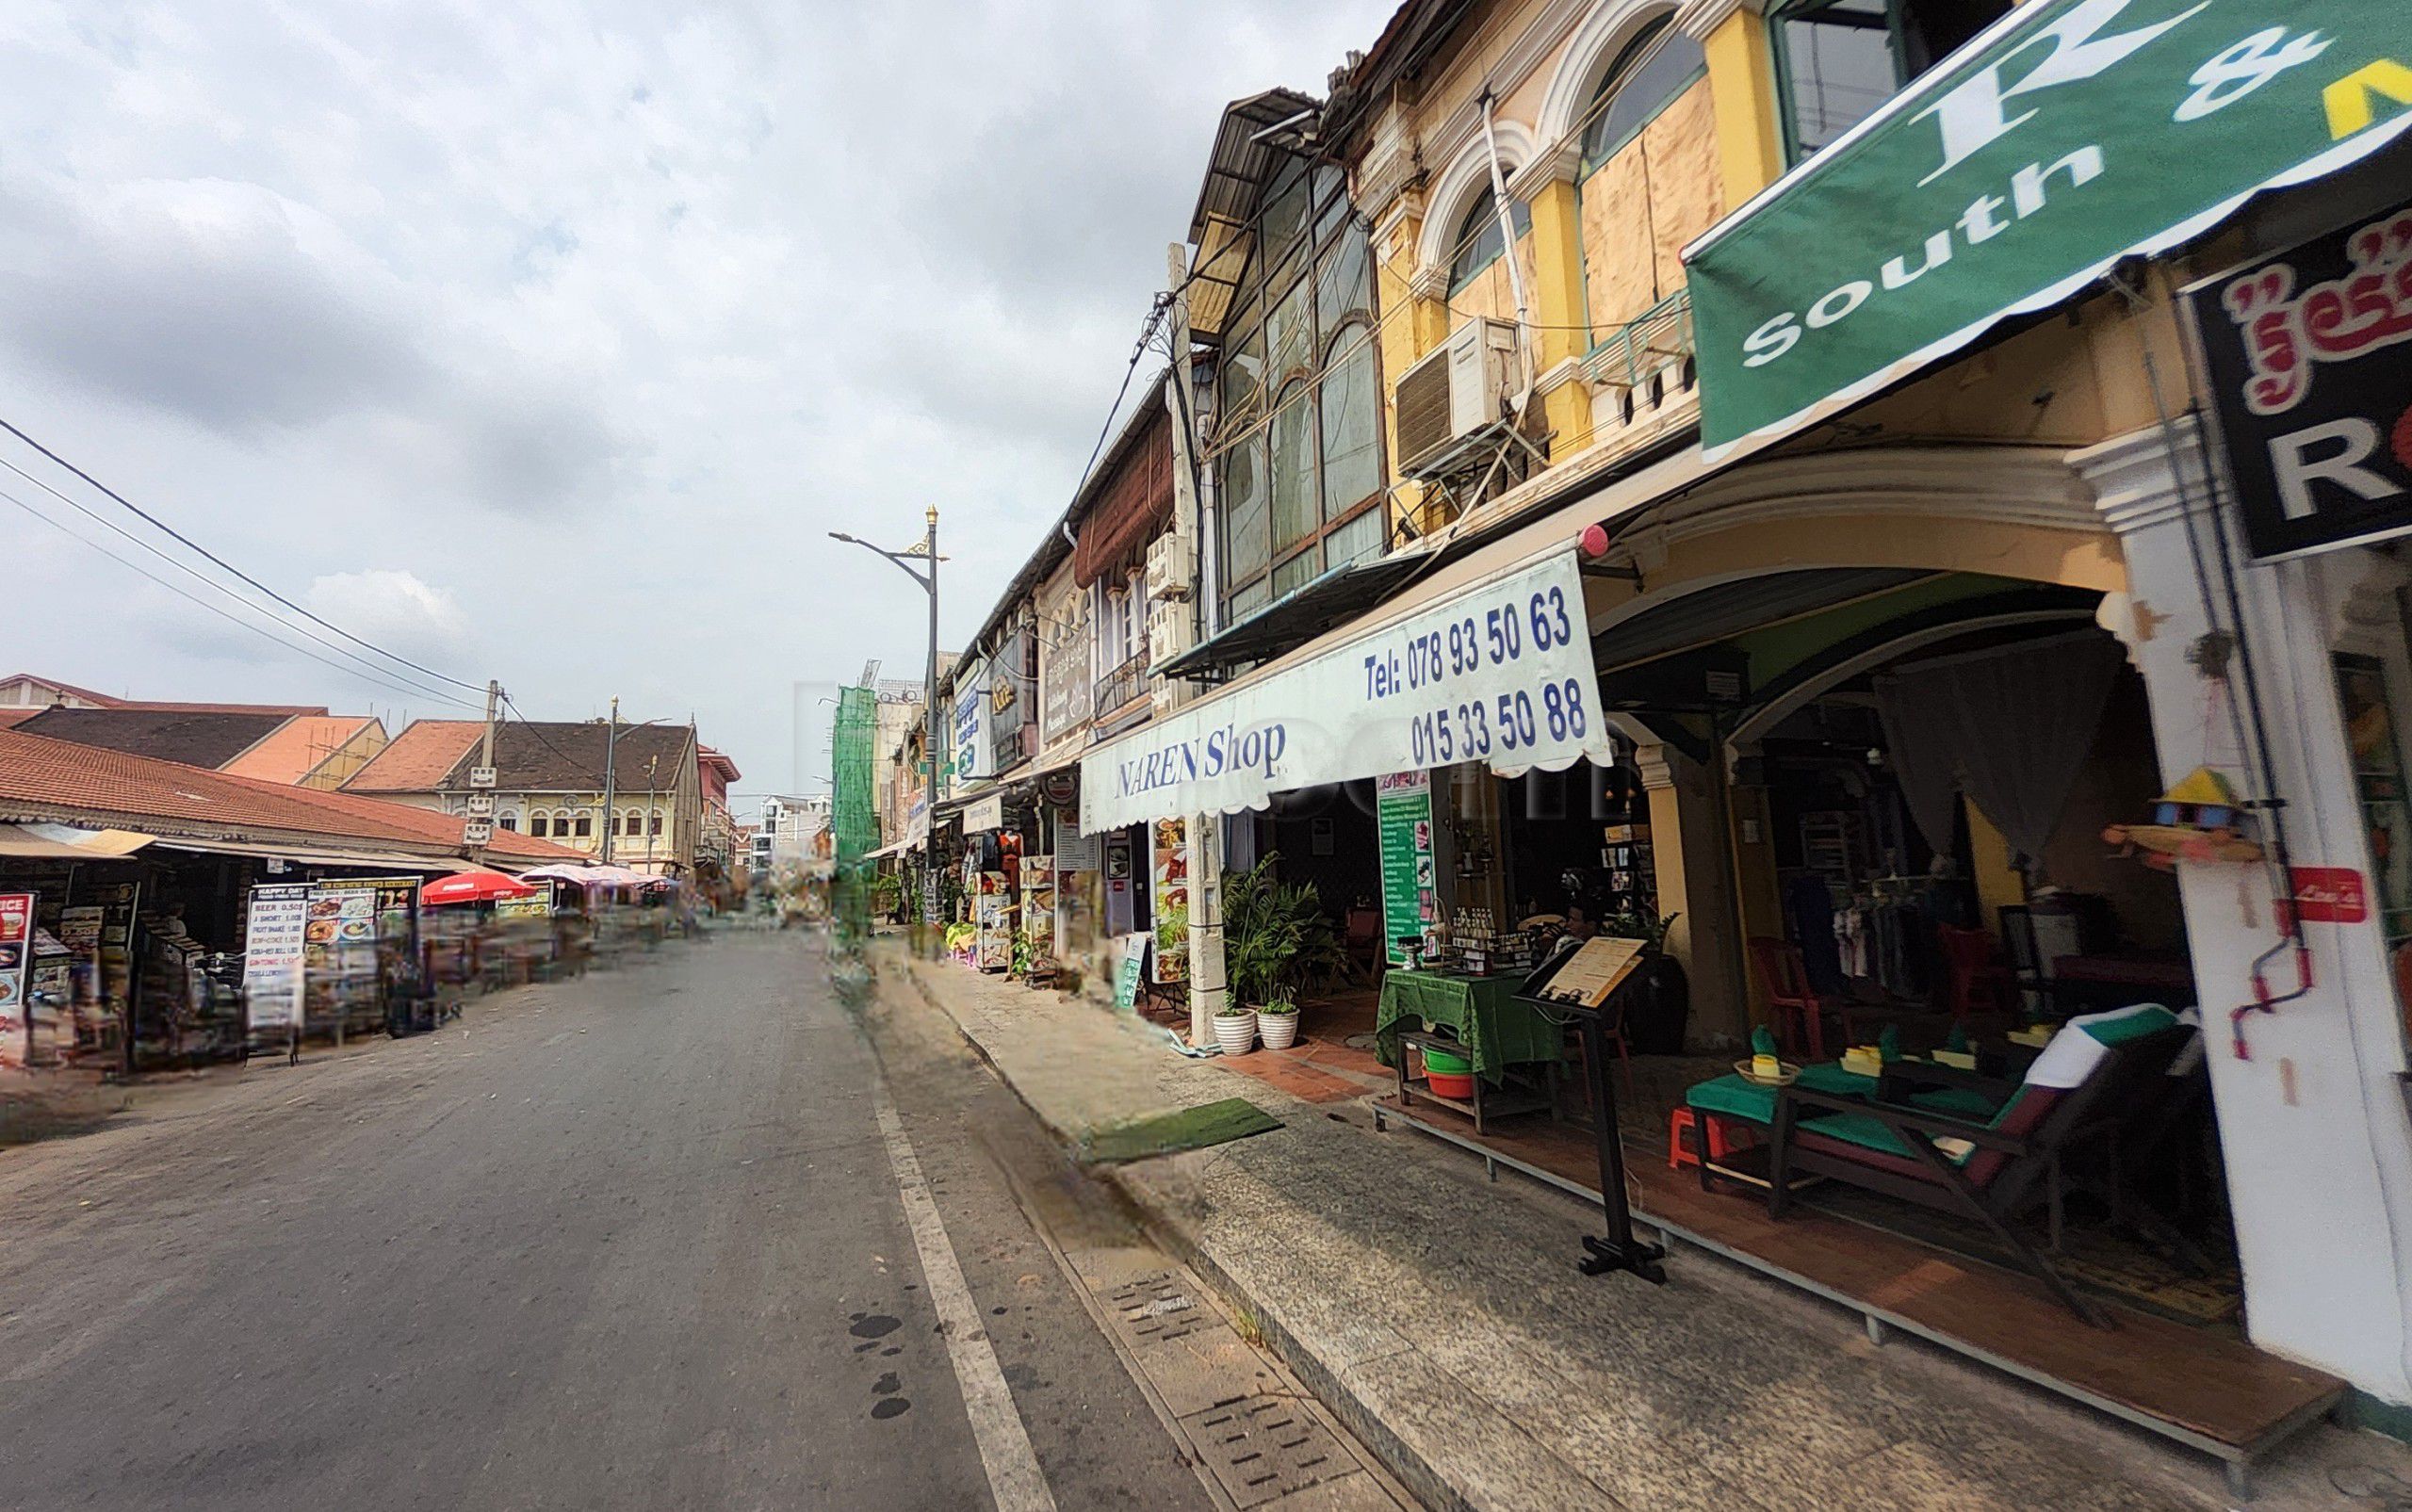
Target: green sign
x,y
2070,135
1403,812
1134,965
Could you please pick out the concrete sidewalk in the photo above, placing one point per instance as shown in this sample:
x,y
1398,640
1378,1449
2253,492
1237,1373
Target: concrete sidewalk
x,y
1442,1318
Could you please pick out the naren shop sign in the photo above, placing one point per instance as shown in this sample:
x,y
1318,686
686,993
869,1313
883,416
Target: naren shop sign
x,y
2069,135
1499,674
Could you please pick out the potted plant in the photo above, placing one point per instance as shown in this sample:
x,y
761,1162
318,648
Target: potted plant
x,y
1277,1024
1236,1028
1277,941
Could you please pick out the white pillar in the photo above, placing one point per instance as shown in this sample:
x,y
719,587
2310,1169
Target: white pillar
x,y
2313,1125
1206,981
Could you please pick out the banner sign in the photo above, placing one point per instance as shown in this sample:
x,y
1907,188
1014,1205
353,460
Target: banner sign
x,y
537,905
985,814
1500,674
2309,359
971,716
1066,687
1170,878
1403,817
2069,135
16,954
272,940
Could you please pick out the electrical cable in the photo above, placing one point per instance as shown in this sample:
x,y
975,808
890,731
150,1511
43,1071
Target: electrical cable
x,y
211,583
530,726
248,625
189,543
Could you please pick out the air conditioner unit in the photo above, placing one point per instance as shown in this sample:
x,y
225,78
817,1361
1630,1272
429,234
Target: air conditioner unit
x,y
1172,566
1167,632
1460,388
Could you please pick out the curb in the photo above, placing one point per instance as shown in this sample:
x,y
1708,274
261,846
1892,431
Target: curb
x,y
1409,1468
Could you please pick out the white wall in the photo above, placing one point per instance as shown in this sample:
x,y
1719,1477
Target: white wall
x,y
2314,1125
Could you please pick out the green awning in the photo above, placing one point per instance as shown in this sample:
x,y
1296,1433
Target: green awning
x,y
2068,136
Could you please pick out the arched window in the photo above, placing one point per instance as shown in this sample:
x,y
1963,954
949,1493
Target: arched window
x,y
1477,241
537,824
509,821
1655,67
657,822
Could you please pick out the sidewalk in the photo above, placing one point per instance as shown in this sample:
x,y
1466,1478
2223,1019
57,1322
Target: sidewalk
x,y
1441,1318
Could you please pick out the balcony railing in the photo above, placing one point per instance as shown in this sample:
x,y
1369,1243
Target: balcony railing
x,y
1660,337
1123,684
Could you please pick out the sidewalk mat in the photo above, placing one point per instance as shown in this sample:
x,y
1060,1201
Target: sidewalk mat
x,y
1213,1123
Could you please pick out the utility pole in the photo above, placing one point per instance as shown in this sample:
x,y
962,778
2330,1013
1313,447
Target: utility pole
x,y
485,759
930,712
611,755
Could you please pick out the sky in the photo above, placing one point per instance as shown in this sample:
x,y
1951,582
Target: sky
x,y
546,342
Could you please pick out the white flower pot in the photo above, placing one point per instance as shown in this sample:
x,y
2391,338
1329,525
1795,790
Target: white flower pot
x,y
1235,1032
1278,1031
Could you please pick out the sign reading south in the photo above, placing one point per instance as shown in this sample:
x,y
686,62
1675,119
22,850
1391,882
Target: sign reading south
x,y
2309,359
2069,135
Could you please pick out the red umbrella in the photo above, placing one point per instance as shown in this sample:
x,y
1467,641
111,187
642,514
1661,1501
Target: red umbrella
x,y
473,887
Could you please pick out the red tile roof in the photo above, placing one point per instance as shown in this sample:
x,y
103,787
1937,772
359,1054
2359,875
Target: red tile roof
x,y
297,748
43,779
418,757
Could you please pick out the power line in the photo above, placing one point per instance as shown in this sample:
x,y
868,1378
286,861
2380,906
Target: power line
x,y
530,726
189,543
211,583
248,625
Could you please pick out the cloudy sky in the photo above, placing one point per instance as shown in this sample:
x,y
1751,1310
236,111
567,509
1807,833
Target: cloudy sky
x,y
545,342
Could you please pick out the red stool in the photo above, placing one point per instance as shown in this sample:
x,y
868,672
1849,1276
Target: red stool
x,y
1722,1140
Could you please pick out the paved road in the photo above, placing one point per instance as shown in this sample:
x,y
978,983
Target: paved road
x,y
634,1241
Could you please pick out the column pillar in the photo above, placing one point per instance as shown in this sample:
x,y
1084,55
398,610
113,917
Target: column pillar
x,y
1546,185
1758,902
2313,1125
1695,886
1741,90
1208,986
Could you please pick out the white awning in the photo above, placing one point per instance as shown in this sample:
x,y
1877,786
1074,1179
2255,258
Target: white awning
x,y
1498,670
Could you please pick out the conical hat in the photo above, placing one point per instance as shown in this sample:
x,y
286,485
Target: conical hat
x,y
2200,786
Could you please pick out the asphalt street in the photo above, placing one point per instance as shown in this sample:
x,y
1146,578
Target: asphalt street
x,y
638,1241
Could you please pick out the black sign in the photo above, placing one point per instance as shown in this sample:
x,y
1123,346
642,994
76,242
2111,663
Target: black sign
x,y
2310,365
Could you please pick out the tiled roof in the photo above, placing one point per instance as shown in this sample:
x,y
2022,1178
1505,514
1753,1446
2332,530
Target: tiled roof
x,y
418,757
300,747
11,718
564,757
169,735
53,779
112,701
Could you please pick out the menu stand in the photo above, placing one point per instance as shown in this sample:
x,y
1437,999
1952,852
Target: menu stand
x,y
1588,982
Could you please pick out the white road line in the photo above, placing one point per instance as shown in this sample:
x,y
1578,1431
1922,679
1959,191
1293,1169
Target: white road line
x,y
1014,1477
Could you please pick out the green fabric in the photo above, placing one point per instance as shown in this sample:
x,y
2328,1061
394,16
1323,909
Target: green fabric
x,y
1214,1123
1831,1079
1868,1131
1960,1103
2110,130
2125,1024
1763,1041
1733,1096
1889,1045
1497,1029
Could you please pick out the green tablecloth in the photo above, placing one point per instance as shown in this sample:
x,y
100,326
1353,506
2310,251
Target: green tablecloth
x,y
1496,1029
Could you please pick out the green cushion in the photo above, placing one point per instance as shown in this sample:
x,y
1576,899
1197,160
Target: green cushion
x,y
1869,1132
2125,1024
1960,1103
1733,1096
1831,1079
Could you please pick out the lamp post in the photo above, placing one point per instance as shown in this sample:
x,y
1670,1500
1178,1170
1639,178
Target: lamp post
x,y
928,551
612,774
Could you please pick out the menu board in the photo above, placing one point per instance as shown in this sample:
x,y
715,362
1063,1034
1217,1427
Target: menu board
x,y
1410,897
1171,881
992,914
1597,967
1039,903
279,917
16,950
537,905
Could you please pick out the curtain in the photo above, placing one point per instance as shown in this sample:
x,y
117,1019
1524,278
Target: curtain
x,y
2009,726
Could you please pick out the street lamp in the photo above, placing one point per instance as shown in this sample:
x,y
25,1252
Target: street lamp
x,y
611,775
927,550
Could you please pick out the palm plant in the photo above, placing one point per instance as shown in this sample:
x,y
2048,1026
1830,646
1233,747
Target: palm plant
x,y
1277,939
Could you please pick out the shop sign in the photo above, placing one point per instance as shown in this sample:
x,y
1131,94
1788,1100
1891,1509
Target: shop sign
x,y
1065,690
2068,135
1411,896
272,943
16,954
1170,880
971,716
2331,895
985,814
1499,675
2309,365
537,905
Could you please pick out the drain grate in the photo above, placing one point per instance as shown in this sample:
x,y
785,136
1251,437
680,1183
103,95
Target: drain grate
x,y
1263,1447
1156,1307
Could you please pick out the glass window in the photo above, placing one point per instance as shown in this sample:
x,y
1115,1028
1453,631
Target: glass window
x,y
511,823
1243,369
1247,542
1289,336
657,822
1298,571
1294,517
1251,598
1343,285
1352,457
1838,60
537,826
1478,243
1286,212
1359,540
585,824
1655,67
